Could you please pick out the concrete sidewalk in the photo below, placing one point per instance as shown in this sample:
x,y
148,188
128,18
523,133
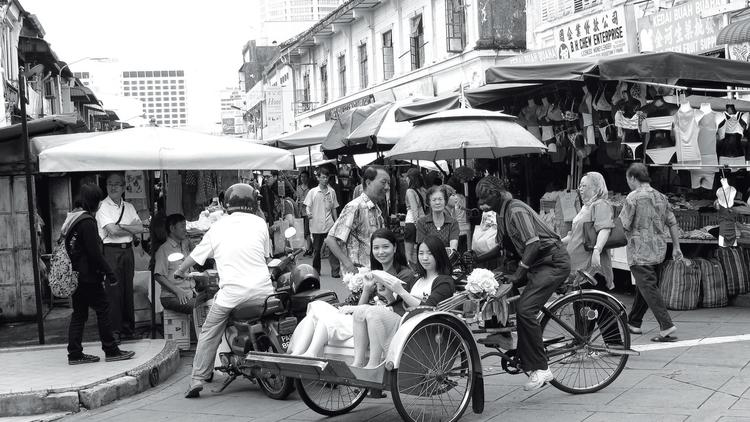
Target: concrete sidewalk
x,y
38,379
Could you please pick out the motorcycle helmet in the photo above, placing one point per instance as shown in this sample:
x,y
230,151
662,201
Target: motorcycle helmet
x,y
241,197
304,278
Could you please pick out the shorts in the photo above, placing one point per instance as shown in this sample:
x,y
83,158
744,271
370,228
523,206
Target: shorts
x,y
410,233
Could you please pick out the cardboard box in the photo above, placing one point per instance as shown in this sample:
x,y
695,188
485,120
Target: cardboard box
x,y
177,328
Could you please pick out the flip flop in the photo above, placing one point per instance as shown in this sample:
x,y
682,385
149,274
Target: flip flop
x,y
664,339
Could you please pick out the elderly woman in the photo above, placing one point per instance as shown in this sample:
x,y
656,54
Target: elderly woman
x,y
438,222
596,209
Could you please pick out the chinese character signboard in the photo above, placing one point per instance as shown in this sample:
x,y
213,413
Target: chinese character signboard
x,y
599,34
739,52
681,28
274,112
535,56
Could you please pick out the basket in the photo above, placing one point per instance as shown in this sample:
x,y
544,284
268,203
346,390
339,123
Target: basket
x,y
688,219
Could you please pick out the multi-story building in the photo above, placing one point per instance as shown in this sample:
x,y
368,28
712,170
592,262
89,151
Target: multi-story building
x,y
279,20
162,93
368,50
232,101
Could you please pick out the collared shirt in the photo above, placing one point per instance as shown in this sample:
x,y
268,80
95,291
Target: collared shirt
x,y
523,227
646,218
447,232
166,268
109,213
320,205
239,244
358,221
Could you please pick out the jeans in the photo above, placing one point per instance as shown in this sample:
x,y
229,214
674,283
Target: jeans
x,y
543,279
90,295
318,239
122,312
208,341
647,296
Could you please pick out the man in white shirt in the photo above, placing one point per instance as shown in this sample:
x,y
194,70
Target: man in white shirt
x,y
321,205
118,222
239,244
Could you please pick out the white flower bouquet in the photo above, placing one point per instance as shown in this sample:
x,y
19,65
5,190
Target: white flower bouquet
x,y
481,281
355,282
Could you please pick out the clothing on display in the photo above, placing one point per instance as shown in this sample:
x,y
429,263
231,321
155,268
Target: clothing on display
x,y
588,128
528,116
732,161
635,122
730,134
661,155
632,152
600,102
659,123
686,135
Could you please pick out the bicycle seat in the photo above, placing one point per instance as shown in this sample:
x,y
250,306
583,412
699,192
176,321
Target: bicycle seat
x,y
254,308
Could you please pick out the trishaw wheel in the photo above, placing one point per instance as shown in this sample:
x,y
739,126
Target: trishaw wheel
x,y
329,399
275,386
585,367
435,377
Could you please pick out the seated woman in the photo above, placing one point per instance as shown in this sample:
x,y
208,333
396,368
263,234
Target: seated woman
x,y
438,222
324,322
176,294
374,326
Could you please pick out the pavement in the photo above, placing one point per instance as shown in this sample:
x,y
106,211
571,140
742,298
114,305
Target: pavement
x,y
703,377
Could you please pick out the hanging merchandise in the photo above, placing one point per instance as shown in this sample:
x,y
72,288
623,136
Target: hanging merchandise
x,y
729,147
707,127
587,117
528,117
727,219
686,135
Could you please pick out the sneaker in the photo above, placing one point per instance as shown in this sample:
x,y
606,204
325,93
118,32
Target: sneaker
x,y
538,378
634,330
194,391
83,359
119,355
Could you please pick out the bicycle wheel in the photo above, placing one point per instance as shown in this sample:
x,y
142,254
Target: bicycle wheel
x,y
585,366
435,378
329,399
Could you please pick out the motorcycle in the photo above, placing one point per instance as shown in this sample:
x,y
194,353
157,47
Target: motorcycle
x,y
265,325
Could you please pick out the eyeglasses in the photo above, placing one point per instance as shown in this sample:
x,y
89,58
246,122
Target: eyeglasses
x,y
114,185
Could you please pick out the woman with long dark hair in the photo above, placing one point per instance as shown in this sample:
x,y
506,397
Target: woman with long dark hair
x,y
414,211
374,326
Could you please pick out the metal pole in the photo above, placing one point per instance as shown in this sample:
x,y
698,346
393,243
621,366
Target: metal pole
x,y
31,207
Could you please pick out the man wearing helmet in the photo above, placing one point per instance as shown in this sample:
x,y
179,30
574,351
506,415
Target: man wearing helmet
x,y
239,245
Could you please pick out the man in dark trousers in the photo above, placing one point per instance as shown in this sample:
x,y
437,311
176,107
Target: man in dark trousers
x,y
544,265
118,222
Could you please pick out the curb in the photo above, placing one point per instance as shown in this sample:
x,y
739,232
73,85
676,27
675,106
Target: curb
x,y
71,400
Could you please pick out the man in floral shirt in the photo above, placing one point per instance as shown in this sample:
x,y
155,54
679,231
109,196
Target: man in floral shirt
x,y
349,238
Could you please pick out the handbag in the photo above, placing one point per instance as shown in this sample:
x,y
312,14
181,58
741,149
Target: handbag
x,y
616,238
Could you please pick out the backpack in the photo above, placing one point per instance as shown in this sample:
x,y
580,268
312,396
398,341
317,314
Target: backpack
x,y
63,279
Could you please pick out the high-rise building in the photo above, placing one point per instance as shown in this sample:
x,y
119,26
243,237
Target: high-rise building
x,y
280,20
162,93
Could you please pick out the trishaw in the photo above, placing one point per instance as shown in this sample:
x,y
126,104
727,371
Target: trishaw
x,y
433,367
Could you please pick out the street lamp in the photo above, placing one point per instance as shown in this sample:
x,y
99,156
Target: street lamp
x,y
60,70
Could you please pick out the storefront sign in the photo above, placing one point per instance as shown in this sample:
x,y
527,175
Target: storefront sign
x,y
739,52
333,114
537,56
274,112
681,28
597,35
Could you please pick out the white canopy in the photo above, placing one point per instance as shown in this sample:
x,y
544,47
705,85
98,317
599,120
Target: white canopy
x,y
154,148
302,156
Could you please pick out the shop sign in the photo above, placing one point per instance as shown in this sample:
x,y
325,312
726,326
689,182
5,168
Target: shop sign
x,y
274,111
739,52
681,28
537,56
599,34
333,114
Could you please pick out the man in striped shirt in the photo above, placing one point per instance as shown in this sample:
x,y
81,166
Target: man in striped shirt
x,y
544,265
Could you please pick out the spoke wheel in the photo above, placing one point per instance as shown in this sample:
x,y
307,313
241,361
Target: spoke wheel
x,y
275,386
435,378
330,399
584,367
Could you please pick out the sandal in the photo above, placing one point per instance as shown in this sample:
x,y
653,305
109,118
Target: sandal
x,y
664,339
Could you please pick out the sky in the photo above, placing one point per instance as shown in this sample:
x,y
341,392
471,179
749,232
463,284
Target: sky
x,y
203,38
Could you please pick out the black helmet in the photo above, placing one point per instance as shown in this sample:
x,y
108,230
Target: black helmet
x,y
241,197
304,278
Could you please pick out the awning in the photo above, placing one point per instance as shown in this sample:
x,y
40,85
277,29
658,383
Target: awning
x,y
81,93
734,33
302,157
718,104
494,92
306,137
652,67
423,108
33,50
39,126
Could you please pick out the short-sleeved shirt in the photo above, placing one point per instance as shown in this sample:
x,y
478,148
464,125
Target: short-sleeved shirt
x,y
239,244
523,227
166,268
109,213
447,232
646,218
358,221
600,213
320,205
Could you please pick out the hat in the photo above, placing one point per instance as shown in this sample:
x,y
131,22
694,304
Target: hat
x,y
725,194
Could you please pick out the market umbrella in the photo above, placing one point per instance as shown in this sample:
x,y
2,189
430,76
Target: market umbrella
x,y
380,130
309,156
465,133
425,107
335,143
309,136
154,148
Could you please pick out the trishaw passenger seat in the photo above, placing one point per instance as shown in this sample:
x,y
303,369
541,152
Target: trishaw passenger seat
x,y
253,308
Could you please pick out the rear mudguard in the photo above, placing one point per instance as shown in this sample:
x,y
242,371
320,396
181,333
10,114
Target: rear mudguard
x,y
597,293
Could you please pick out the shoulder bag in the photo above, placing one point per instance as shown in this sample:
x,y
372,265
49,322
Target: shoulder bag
x,y
616,238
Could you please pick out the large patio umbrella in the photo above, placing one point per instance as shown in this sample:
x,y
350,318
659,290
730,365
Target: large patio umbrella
x,y
154,148
306,137
309,156
380,130
465,133
335,143
427,106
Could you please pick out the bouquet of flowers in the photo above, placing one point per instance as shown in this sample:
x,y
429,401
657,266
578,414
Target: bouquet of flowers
x,y
481,281
355,281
